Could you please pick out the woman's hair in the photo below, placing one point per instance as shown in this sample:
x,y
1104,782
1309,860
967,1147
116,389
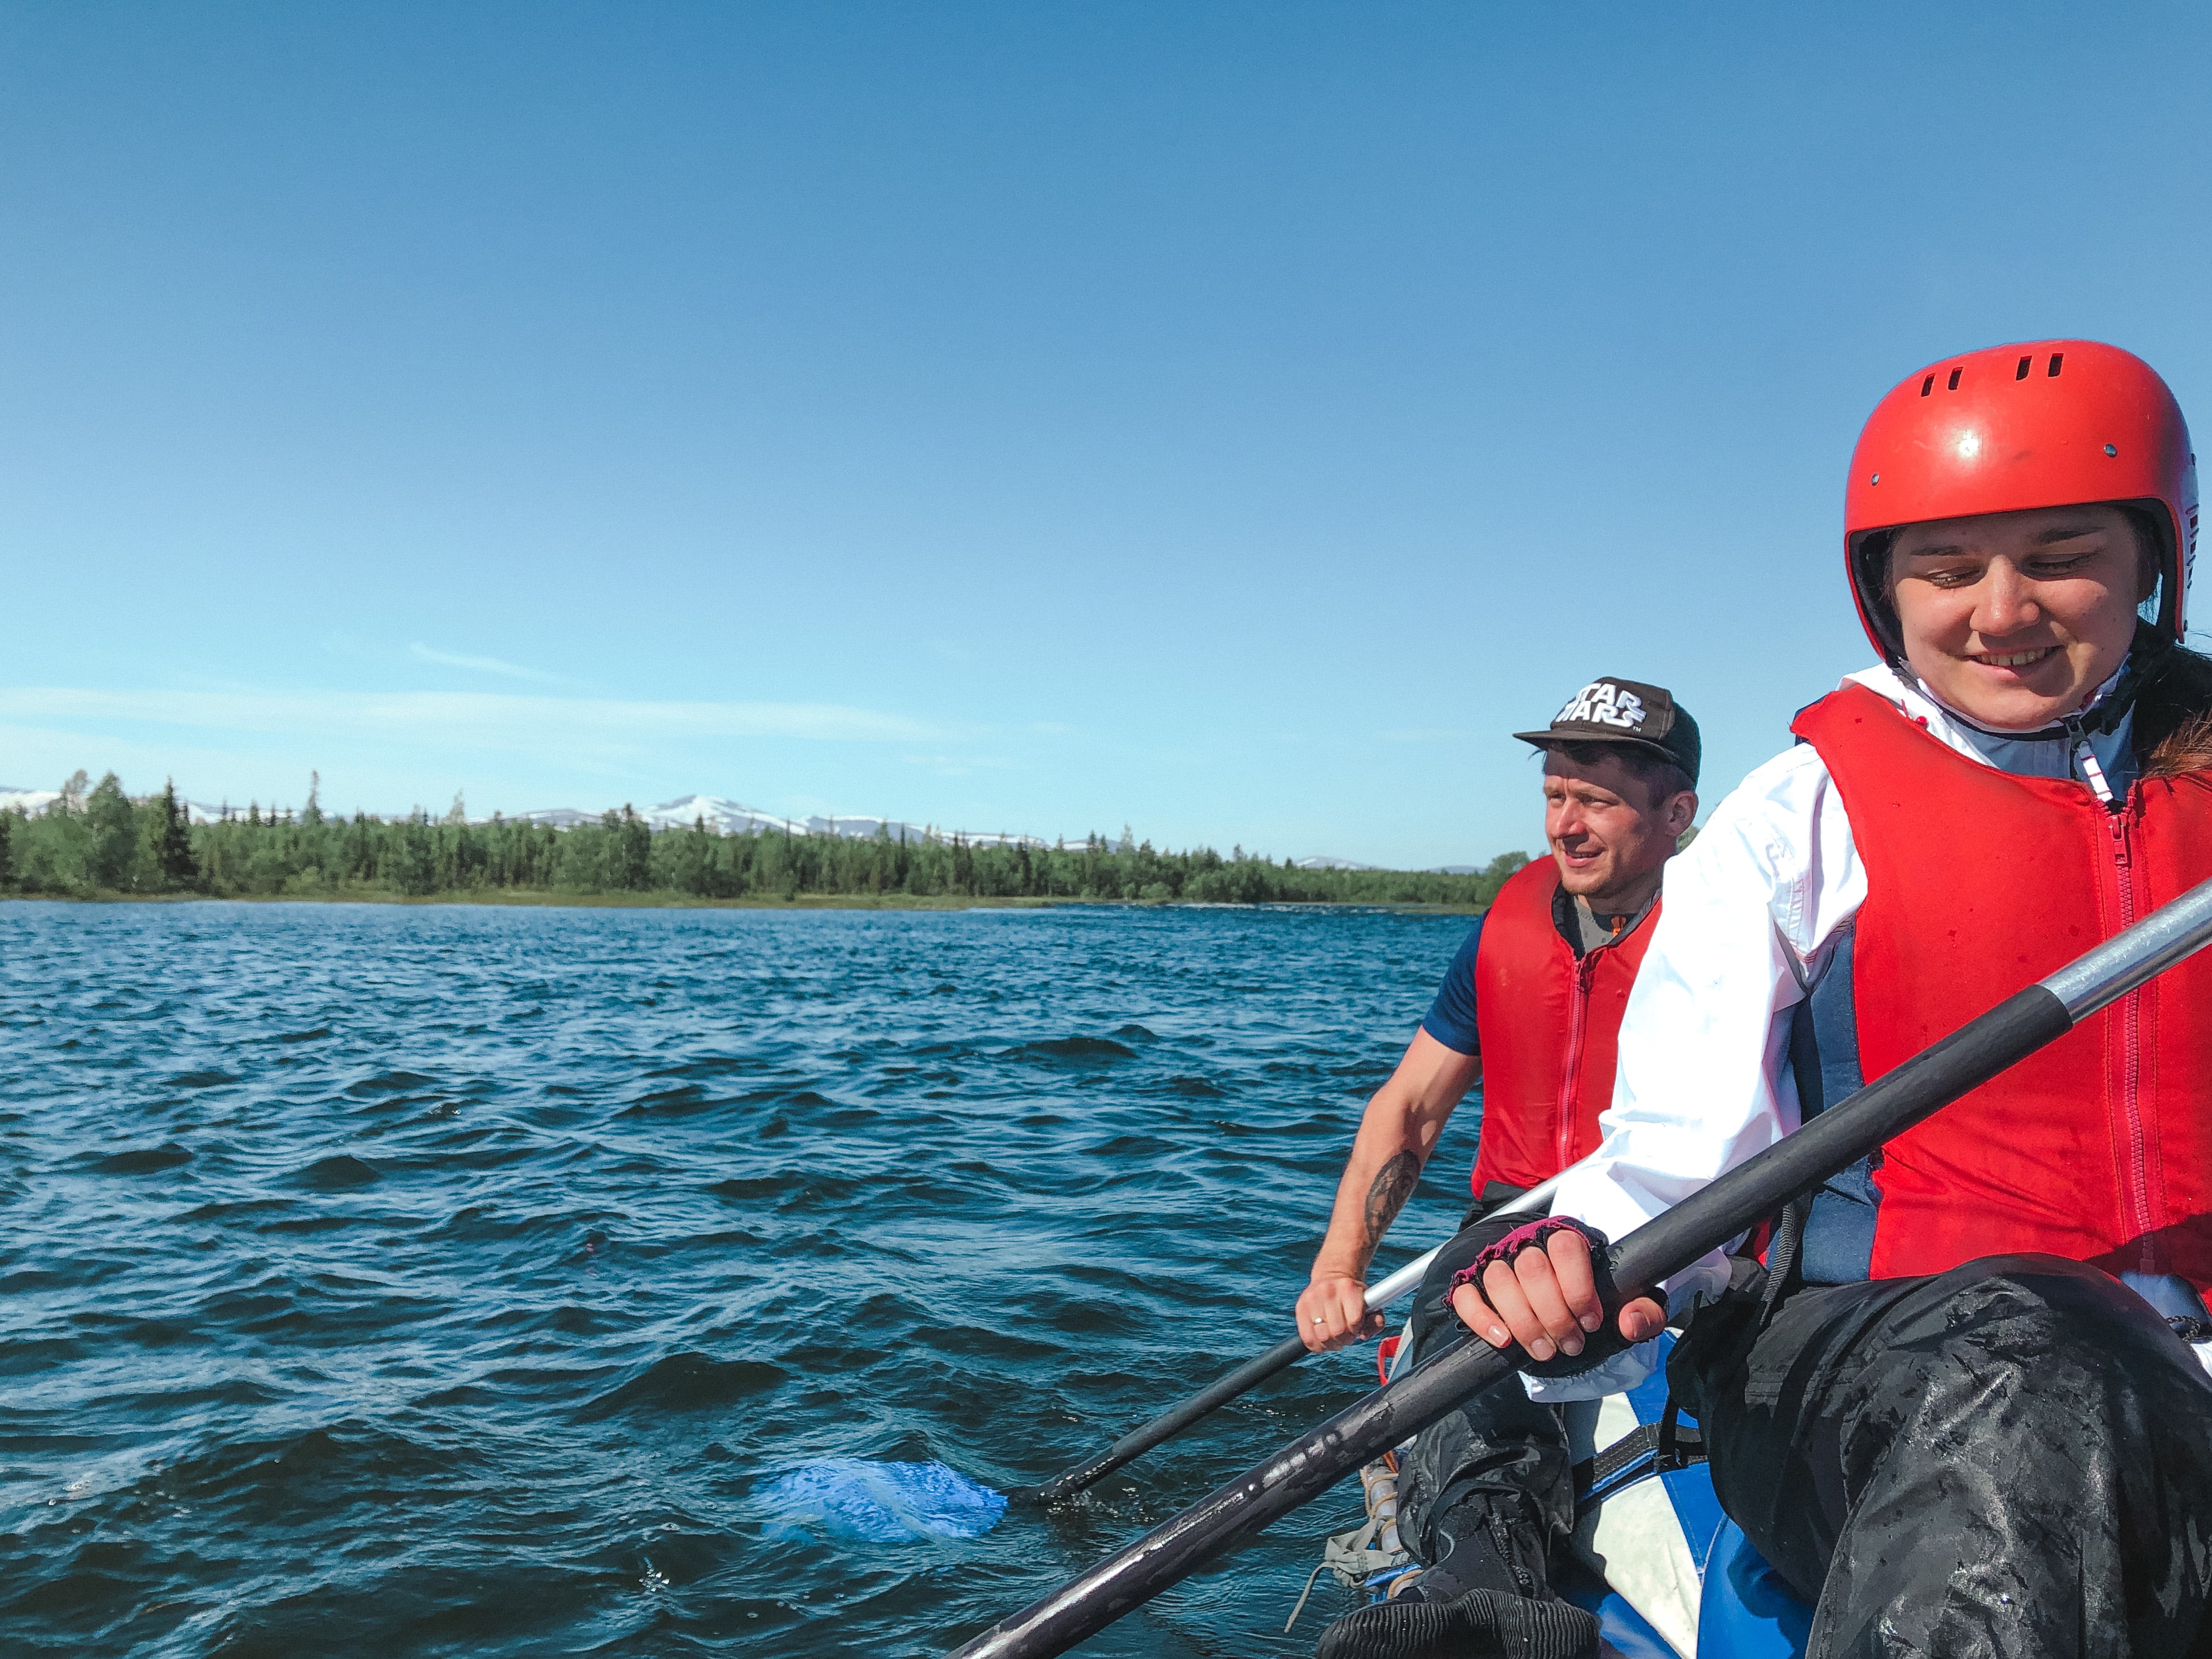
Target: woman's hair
x,y
2173,707
2188,748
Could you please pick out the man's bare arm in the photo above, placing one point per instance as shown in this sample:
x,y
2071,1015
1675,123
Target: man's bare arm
x,y
1397,1132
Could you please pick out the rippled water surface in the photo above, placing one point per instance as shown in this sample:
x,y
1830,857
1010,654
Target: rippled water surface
x,y
449,1280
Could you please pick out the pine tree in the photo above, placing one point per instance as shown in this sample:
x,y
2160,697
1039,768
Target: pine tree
x,y
114,842
179,869
636,853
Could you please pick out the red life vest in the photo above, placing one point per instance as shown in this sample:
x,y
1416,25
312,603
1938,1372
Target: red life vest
x,y
1548,1024
1979,882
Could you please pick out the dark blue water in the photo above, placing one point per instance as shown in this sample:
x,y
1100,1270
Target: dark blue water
x,y
390,1281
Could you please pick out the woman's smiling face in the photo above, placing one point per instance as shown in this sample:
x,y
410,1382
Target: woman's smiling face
x,y
2015,619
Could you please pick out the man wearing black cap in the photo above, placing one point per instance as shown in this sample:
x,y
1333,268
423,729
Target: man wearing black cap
x,y
1531,1008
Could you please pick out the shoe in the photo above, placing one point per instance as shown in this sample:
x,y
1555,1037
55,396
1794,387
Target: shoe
x,y
1477,1551
1480,1625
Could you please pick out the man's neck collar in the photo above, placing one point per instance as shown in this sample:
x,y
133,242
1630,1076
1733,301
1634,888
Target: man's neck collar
x,y
1595,923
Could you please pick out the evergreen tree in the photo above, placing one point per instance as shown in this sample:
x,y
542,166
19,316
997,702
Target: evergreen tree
x,y
417,860
180,870
112,847
634,870
93,840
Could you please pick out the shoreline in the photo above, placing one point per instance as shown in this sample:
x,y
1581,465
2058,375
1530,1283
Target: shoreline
x,y
541,899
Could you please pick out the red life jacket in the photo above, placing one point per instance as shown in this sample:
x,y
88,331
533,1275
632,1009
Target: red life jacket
x,y
2098,1148
1548,1024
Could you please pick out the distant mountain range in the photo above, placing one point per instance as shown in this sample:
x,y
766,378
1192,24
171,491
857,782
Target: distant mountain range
x,y
36,800
736,818
719,812
1323,861
733,818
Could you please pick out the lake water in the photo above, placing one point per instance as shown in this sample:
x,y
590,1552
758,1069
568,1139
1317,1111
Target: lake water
x,y
401,1281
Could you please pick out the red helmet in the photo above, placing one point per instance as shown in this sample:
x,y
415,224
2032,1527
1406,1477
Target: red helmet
x,y
2052,423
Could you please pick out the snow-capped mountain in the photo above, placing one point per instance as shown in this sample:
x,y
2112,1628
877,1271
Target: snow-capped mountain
x,y
35,801
865,828
859,828
561,818
730,816
719,812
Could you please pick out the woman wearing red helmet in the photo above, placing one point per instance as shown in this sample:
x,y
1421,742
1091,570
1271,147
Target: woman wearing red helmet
x,y
1963,1417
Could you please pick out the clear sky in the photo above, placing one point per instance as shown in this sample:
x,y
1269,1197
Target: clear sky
x,y
1231,419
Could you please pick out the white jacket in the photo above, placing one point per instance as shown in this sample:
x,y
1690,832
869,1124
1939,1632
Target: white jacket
x,y
1754,910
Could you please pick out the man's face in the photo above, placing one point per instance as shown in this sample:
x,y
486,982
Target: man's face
x,y
2014,619
1608,837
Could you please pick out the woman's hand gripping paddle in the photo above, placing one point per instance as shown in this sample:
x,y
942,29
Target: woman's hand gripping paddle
x,y
1663,1246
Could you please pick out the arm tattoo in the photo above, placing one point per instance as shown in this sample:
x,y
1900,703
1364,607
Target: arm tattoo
x,y
1393,1184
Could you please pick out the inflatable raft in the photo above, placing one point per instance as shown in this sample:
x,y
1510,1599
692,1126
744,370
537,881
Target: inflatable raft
x,y
1669,1576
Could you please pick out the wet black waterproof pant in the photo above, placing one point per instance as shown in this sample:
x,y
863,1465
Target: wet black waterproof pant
x,y
1500,1462
2013,1458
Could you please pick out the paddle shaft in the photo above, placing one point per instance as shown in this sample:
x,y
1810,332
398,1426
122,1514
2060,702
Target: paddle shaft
x,y
1667,1244
1249,1374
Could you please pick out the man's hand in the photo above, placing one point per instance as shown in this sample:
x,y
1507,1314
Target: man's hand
x,y
1332,1313
1397,1132
1547,1301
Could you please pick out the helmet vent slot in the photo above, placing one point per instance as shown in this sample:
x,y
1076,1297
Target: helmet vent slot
x,y
1927,385
1952,385
2057,358
2021,374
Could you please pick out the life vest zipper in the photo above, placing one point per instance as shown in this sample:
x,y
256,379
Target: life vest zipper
x,y
1571,1079
2129,1015
2082,757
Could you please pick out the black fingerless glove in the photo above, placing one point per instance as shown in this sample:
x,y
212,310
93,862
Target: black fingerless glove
x,y
1512,1236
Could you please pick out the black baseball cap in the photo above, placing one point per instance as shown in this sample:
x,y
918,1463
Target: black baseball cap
x,y
1628,712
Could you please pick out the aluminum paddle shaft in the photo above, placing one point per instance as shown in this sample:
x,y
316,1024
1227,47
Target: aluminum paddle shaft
x,y
1665,1245
1249,1374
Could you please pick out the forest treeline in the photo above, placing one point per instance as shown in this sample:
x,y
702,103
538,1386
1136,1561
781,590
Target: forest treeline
x,y
95,840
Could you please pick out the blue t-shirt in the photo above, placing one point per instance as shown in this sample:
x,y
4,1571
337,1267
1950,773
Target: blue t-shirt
x,y
1451,1016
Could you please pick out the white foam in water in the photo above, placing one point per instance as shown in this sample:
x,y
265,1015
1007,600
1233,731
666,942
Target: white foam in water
x,y
884,1503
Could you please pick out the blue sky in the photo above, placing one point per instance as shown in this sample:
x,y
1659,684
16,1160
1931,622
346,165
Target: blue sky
x,y
1228,420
